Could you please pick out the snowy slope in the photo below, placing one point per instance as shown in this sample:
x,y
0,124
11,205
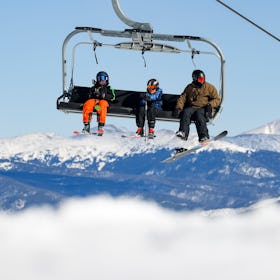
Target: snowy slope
x,y
46,168
270,128
81,151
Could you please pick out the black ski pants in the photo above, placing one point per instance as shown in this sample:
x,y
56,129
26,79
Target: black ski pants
x,y
151,116
198,116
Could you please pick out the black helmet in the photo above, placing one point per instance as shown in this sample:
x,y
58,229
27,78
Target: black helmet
x,y
102,76
153,84
198,77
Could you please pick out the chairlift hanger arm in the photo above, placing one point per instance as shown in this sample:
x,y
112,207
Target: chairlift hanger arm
x,y
129,22
146,27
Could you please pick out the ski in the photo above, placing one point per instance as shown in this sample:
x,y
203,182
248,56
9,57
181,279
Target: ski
x,y
131,136
182,152
137,136
76,132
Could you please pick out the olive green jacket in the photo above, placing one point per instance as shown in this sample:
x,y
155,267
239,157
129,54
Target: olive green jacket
x,y
198,97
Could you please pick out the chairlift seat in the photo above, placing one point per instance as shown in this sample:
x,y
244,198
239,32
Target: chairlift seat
x,y
124,106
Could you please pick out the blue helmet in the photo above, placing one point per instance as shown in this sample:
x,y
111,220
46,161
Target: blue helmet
x,y
102,76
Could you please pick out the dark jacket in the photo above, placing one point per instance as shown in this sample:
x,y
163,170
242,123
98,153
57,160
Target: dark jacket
x,y
198,97
102,92
154,100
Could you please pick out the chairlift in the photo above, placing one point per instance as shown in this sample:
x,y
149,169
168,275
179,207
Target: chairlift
x,y
142,39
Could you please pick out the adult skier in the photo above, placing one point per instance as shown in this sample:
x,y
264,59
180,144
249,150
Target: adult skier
x,y
196,103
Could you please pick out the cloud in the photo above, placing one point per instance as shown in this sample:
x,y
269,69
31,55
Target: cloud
x,y
104,238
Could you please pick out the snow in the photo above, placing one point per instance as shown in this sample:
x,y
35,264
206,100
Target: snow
x,y
270,128
80,151
73,150
84,149
257,172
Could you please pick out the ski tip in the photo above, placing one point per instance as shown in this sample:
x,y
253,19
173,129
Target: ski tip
x,y
169,160
165,161
224,133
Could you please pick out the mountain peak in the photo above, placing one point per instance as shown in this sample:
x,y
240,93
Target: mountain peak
x,y
270,128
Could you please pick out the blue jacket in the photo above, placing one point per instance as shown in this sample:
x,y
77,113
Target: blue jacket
x,y
153,100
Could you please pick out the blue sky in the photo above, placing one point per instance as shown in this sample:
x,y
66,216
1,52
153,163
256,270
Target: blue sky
x,y
33,33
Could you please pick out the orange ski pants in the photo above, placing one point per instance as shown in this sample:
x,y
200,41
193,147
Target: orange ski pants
x,y
88,109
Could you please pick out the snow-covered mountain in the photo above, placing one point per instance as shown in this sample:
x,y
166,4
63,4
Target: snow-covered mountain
x,y
270,128
44,168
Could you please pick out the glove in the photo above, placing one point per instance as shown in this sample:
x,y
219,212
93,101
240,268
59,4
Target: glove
x,y
147,98
96,93
97,107
176,113
208,111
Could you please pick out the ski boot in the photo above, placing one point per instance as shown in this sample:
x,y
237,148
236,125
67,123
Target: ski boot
x,y
181,134
151,133
204,139
140,132
100,130
179,150
86,128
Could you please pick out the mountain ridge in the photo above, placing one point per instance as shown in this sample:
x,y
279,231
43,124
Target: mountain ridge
x,y
45,168
269,128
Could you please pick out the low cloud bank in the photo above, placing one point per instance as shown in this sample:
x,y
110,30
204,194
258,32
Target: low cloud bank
x,y
104,238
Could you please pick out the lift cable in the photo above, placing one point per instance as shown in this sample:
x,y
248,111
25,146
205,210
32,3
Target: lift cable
x,y
253,23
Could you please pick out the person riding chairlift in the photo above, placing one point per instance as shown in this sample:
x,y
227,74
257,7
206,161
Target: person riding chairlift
x,y
196,103
153,99
99,97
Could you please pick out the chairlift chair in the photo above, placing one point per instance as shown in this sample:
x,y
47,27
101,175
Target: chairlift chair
x,y
142,39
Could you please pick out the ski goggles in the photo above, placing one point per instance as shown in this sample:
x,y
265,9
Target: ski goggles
x,y
201,80
102,78
152,87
